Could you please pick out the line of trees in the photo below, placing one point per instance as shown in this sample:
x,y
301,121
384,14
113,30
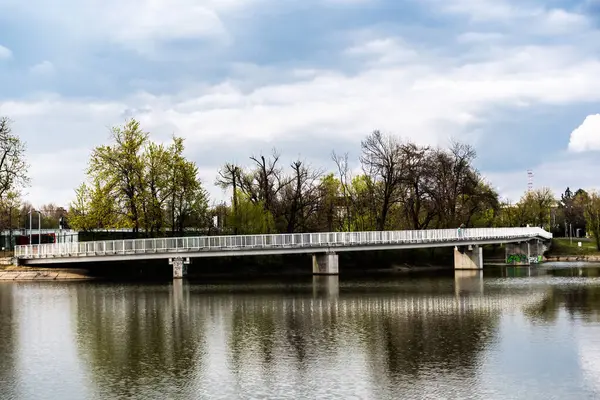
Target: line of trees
x,y
152,189
400,185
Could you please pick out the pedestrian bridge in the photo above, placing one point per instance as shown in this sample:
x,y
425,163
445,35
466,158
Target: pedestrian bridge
x,y
323,246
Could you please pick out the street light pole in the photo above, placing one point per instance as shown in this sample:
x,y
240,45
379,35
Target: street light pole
x,y
571,232
10,232
30,227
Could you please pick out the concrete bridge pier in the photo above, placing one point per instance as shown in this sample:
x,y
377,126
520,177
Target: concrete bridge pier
x,y
325,264
179,266
468,257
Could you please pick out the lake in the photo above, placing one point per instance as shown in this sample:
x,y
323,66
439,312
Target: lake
x,y
507,333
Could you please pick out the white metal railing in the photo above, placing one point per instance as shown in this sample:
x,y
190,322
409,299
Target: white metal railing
x,y
271,241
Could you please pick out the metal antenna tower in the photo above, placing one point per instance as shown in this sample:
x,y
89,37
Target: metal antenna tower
x,y
529,180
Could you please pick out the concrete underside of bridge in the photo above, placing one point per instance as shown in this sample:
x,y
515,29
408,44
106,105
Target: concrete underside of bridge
x,y
323,264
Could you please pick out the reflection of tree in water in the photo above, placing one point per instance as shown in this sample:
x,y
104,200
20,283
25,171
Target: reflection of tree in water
x,y
406,342
582,302
134,338
8,344
442,341
448,335
246,330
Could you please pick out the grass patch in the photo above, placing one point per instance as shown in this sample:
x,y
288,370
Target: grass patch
x,y
564,247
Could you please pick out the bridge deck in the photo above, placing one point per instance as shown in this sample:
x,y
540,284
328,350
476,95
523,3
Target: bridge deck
x,y
219,246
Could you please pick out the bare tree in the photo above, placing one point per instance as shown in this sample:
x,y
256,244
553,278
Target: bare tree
x,y
417,202
351,199
264,183
231,176
301,196
451,180
13,168
383,163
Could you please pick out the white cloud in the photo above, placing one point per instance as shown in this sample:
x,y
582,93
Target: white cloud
x,y
5,53
44,68
529,18
479,37
138,24
586,137
419,92
383,51
425,101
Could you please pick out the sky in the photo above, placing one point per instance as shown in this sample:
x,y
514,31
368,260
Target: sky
x,y
517,79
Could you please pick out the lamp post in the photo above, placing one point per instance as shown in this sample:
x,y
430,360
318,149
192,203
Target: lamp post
x,y
30,227
30,212
10,247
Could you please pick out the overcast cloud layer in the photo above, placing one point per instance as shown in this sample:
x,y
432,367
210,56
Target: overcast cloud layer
x,y
519,79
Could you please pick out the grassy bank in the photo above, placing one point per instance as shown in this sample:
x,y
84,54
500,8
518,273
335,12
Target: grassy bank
x,y
564,247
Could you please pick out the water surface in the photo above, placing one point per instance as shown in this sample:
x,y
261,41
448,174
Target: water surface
x,y
514,333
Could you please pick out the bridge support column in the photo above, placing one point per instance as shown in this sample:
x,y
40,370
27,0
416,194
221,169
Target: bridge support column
x,y
179,266
524,253
325,264
468,257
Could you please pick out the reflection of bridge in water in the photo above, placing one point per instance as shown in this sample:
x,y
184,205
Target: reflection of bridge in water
x,y
468,295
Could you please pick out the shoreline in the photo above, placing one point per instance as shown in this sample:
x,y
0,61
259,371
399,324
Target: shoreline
x,y
16,273
567,258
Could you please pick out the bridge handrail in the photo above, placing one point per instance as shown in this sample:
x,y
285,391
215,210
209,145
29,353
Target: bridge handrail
x,y
270,241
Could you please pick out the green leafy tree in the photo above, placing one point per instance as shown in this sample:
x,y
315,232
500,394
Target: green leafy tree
x,y
591,206
189,200
330,207
157,187
535,208
138,184
251,217
570,211
119,168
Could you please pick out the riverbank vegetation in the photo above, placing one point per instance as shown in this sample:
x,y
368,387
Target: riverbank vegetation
x,y
150,189
570,247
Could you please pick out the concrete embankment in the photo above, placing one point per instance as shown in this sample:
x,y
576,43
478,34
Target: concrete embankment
x,y
14,273
584,258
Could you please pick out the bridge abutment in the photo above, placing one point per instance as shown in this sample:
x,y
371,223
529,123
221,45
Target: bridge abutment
x,y
524,253
468,257
325,264
179,266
